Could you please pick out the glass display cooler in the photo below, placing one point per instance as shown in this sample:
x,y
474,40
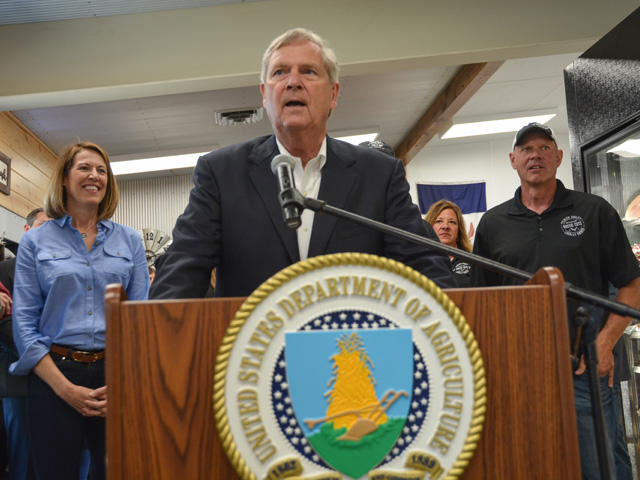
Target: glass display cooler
x,y
611,166
612,170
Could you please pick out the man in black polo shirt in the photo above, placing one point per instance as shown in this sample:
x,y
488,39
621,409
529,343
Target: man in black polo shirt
x,y
546,224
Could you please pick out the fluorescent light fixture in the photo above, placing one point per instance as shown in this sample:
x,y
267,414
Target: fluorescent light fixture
x,y
358,139
357,135
459,128
174,162
628,149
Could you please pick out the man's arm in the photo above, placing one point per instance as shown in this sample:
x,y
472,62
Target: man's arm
x,y
185,269
138,287
613,329
620,267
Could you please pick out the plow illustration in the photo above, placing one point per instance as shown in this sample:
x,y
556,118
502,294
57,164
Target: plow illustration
x,y
367,416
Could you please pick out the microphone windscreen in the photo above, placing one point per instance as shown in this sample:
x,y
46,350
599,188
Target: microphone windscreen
x,y
280,160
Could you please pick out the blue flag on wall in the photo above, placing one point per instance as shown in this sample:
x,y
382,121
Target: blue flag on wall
x,y
470,197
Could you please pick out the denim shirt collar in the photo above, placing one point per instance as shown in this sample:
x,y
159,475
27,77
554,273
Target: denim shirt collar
x,y
65,221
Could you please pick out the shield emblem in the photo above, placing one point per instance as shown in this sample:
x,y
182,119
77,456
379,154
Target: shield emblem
x,y
351,391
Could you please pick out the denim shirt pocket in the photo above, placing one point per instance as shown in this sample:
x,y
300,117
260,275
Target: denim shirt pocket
x,y
55,263
118,261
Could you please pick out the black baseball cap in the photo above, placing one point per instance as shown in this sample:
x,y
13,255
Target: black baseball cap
x,y
379,145
533,127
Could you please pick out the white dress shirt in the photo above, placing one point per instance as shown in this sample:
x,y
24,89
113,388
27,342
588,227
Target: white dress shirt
x,y
307,182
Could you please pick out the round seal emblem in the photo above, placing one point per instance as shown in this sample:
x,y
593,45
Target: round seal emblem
x,y
572,225
349,366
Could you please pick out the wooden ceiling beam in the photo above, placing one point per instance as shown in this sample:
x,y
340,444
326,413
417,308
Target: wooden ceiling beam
x,y
465,84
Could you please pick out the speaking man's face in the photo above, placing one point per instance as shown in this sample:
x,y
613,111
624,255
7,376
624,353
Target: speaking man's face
x,y
297,93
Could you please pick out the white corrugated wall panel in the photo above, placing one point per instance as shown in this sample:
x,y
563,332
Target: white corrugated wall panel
x,y
153,202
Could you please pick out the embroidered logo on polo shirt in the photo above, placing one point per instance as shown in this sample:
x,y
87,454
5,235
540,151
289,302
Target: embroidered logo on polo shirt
x,y
462,268
572,225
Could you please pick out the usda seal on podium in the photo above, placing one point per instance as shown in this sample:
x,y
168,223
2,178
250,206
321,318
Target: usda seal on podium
x,y
349,366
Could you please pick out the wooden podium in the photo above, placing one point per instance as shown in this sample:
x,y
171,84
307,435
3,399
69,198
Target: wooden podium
x,y
160,369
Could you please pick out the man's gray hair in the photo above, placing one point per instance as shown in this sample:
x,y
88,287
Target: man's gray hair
x,y
328,55
31,218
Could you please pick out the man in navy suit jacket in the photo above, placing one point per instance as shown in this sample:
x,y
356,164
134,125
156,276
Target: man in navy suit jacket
x,y
234,220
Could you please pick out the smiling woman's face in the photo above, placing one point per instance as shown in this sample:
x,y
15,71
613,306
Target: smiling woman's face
x,y
86,181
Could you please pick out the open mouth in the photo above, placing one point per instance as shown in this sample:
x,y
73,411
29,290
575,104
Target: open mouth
x,y
294,103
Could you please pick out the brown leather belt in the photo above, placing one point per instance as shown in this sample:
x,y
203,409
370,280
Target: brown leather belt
x,y
77,355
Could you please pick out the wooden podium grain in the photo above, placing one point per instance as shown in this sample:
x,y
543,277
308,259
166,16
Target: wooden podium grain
x,y
160,369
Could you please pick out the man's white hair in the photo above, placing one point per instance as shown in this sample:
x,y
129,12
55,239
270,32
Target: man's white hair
x,y
328,55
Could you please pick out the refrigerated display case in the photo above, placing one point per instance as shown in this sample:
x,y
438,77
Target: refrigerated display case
x,y
612,171
611,166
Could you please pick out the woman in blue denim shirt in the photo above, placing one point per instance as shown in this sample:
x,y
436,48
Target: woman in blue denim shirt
x,y
62,271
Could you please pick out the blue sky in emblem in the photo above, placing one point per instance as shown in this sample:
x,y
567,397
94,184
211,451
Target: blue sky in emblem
x,y
308,359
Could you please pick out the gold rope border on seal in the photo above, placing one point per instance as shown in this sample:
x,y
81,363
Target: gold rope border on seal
x,y
341,259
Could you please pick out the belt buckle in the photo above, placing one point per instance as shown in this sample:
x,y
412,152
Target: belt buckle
x,y
87,357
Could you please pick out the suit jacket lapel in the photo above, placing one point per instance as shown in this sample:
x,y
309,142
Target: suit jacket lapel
x,y
335,188
266,186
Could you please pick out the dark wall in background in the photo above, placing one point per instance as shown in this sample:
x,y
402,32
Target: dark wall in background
x,y
603,88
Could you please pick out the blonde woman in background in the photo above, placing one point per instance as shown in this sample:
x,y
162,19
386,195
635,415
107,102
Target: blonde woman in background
x,y
62,271
446,219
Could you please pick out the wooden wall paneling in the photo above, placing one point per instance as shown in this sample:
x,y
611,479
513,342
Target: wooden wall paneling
x,y
16,203
31,174
28,190
25,143
32,164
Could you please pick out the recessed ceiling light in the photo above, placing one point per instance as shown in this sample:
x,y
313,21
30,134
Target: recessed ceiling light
x,y
458,129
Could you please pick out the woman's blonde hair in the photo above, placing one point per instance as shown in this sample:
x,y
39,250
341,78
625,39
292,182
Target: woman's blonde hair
x,y
55,200
436,209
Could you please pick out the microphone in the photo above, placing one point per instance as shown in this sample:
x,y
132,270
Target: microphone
x,y
282,167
